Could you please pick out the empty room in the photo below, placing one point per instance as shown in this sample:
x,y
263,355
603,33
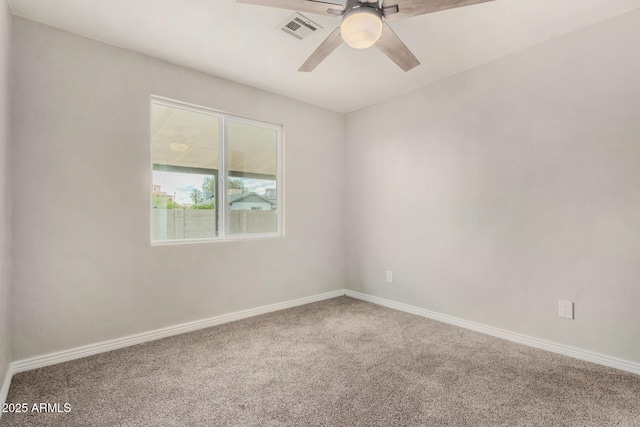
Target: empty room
x,y
336,213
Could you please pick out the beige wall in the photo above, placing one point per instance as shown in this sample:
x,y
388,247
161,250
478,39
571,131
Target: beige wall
x,y
5,188
81,145
495,193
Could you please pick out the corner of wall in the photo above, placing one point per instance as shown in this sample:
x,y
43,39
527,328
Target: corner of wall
x,y
6,198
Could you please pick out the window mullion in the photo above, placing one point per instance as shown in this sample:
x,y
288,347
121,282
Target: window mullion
x,y
222,184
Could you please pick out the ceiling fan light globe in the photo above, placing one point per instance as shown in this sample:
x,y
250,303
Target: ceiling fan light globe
x,y
361,28
179,146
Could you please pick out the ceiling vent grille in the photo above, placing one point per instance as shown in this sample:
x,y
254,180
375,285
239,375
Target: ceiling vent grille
x,y
299,26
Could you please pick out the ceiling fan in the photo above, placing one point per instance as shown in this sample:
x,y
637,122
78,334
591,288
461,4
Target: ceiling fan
x,y
364,24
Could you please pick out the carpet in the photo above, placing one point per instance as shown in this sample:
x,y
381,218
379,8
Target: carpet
x,y
340,362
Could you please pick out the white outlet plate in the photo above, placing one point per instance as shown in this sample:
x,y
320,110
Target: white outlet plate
x,y
389,276
565,309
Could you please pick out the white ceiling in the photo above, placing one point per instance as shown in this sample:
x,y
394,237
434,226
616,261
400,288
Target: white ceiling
x,y
239,42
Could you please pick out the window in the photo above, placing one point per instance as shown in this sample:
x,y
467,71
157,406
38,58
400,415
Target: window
x,y
215,176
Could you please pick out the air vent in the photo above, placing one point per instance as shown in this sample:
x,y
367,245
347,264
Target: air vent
x,y
299,26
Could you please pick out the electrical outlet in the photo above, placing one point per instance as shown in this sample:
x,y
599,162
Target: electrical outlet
x,y
389,276
565,309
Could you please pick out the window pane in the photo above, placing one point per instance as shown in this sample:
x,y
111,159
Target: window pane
x,y
252,187
185,153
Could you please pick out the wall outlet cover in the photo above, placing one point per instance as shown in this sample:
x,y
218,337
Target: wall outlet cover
x,y
565,309
389,277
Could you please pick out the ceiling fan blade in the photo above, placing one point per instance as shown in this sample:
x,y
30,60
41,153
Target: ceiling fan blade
x,y
408,8
391,45
320,8
328,45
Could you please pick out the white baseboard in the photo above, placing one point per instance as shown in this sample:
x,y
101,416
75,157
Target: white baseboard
x,y
4,391
577,353
101,347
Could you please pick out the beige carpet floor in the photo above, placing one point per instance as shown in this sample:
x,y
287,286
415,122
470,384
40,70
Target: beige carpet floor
x,y
340,362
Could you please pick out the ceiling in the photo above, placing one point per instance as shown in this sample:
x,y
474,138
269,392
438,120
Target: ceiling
x,y
240,42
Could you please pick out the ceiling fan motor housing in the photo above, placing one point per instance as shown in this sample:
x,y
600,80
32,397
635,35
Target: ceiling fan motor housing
x,y
361,24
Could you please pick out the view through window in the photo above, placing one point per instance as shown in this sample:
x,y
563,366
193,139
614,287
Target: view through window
x,y
215,176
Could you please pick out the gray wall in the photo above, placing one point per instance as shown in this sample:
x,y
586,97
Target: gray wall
x,y
81,144
490,195
495,193
5,188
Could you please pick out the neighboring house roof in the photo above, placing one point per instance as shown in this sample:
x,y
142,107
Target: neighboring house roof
x,y
208,198
250,198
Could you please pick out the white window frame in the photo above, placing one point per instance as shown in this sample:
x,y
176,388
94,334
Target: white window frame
x,y
222,197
